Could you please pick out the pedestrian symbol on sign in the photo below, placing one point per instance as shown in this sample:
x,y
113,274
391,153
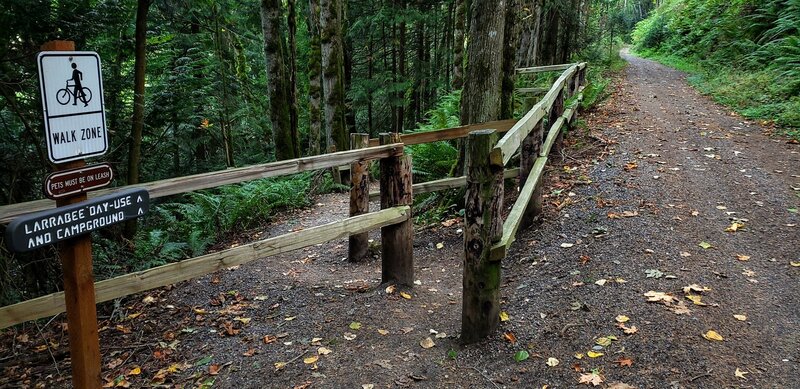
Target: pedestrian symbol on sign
x,y
78,91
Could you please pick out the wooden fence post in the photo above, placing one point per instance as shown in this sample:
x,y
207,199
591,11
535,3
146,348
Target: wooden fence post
x,y
482,227
555,112
397,241
79,298
359,198
531,146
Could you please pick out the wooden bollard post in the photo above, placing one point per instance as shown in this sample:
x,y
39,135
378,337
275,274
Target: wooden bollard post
x,y
397,241
482,227
531,146
359,198
76,262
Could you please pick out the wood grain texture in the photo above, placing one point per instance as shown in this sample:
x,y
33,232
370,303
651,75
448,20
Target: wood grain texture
x,y
190,268
529,151
548,68
415,138
358,244
482,227
195,182
397,240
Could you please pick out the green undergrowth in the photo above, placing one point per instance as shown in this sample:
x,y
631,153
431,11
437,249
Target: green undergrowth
x,y
181,227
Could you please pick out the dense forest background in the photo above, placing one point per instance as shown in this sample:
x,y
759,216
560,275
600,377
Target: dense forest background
x,y
197,86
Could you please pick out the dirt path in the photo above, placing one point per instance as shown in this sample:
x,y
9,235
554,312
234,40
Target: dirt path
x,y
680,171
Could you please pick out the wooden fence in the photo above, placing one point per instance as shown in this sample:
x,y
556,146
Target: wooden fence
x,y
396,195
486,236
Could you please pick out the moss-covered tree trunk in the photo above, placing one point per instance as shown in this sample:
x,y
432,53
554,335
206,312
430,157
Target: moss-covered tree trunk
x,y
314,79
458,44
510,42
332,48
278,86
480,100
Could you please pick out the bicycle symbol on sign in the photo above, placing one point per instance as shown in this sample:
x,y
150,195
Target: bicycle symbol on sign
x,y
75,91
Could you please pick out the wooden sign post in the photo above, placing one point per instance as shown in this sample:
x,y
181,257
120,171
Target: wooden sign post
x,y
76,261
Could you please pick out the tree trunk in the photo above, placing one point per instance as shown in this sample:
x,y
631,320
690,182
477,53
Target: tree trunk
x,y
480,100
291,23
278,85
137,120
510,40
401,69
314,79
458,44
333,74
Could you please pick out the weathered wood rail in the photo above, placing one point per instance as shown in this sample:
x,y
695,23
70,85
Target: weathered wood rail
x,y
487,236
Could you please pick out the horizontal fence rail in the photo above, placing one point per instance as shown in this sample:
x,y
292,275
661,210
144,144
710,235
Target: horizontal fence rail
x,y
541,69
173,186
415,138
128,284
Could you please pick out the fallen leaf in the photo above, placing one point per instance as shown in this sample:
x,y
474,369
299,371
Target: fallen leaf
x,y
740,317
685,254
654,273
740,374
603,341
521,355
552,362
504,316
323,351
621,319
712,335
601,282
135,371
249,353
695,288
269,339
590,378
383,332
390,289
742,257
696,299
794,264
243,320
213,369
405,295
427,343
567,245
368,386
311,360
630,330
202,361
735,226
622,361
578,355
509,336
355,325
349,336
440,246
658,296
113,364
594,354
705,245
280,365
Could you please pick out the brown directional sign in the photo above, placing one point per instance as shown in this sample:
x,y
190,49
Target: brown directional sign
x,y
69,182
40,229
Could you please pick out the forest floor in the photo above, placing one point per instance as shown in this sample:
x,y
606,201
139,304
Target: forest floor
x,y
663,196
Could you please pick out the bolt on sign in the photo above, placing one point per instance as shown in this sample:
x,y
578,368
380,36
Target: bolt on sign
x,y
72,98
36,230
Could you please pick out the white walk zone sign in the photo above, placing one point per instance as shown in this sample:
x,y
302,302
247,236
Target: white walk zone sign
x,y
72,98
39,229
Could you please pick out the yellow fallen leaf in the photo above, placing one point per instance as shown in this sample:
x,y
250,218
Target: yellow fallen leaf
x,y
383,332
323,351
742,257
601,282
579,355
280,365
740,317
593,354
134,315
795,264
311,360
622,319
243,320
552,362
712,335
630,330
173,368
427,343
740,374
604,341
504,316
735,226
440,246
405,295
696,299
135,371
